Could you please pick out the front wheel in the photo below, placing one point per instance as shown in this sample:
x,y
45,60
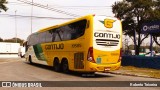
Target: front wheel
x,y
30,60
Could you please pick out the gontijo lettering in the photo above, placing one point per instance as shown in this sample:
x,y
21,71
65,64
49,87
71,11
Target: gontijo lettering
x,y
107,35
54,46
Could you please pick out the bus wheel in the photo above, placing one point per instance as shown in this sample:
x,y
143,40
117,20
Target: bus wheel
x,y
65,68
56,65
30,60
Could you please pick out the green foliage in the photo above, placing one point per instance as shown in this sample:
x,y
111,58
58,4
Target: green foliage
x,y
133,13
2,5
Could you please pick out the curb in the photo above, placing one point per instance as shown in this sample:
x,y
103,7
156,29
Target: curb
x,y
131,74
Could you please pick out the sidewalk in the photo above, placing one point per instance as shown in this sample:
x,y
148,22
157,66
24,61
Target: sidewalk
x,y
139,72
8,55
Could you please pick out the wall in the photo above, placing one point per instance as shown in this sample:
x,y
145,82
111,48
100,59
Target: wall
x,y
141,61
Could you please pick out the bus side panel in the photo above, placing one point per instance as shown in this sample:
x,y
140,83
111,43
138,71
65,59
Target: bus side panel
x,y
88,42
74,53
39,52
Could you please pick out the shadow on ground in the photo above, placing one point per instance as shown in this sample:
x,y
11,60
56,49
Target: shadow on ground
x,y
73,73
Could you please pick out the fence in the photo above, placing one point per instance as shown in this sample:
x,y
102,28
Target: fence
x,y
140,61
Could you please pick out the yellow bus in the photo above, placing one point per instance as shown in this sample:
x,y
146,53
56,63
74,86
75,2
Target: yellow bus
x,y
87,44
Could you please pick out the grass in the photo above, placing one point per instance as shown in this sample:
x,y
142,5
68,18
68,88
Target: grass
x,y
155,73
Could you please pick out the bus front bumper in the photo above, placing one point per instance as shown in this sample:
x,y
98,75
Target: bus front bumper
x,y
93,67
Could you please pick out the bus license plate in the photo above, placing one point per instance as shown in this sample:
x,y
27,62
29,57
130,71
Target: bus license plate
x,y
106,69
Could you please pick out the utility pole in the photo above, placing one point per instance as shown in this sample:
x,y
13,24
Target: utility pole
x,y
31,15
15,27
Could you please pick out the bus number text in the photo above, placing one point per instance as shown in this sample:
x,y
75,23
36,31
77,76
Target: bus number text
x,y
76,45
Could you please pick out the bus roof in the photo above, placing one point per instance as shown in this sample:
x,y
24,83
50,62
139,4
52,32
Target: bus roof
x,y
68,22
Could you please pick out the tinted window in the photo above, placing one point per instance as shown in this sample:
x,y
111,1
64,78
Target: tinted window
x,y
67,32
48,36
30,40
33,39
77,28
62,33
41,37
72,31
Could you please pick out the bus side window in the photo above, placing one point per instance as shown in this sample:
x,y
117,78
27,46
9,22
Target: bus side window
x,y
57,35
41,37
53,37
65,33
78,28
48,36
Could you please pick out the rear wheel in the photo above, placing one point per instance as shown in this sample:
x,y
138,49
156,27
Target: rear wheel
x,y
56,65
65,67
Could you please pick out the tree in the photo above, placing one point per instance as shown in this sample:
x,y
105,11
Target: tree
x,y
2,5
1,40
14,40
133,13
157,16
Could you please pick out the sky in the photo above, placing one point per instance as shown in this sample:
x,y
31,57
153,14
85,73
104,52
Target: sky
x,y
16,21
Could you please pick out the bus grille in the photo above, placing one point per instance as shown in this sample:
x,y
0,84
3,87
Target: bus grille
x,y
107,42
78,60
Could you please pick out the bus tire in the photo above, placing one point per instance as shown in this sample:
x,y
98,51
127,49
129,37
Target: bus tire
x,y
56,65
65,67
30,60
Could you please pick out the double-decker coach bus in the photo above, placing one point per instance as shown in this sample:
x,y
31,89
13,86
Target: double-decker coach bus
x,y
87,44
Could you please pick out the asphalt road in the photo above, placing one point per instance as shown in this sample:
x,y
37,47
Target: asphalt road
x,y
17,69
